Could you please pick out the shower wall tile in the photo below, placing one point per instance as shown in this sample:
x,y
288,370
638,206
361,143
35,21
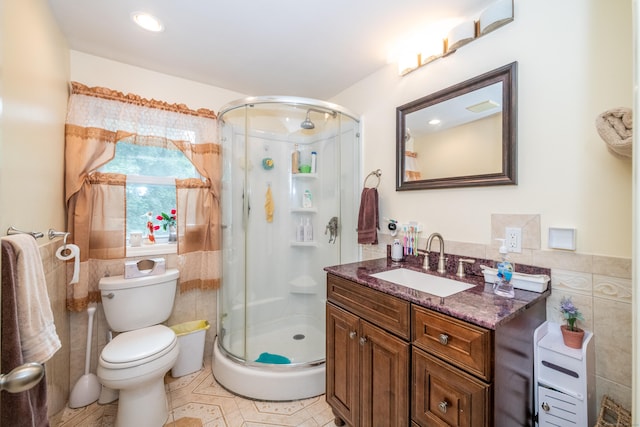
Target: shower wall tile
x,y
572,281
57,368
612,288
472,250
613,329
563,260
583,302
621,394
529,223
611,266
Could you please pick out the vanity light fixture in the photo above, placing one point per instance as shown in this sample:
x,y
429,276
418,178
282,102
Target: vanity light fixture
x,y
408,62
460,35
483,106
147,21
440,42
496,15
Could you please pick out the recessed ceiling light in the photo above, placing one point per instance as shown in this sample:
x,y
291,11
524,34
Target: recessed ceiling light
x,y
148,22
434,122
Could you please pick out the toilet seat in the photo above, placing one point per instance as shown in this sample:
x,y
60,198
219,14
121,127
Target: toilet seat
x,y
138,347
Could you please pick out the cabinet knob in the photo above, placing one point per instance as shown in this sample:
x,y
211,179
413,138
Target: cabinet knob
x,y
352,334
443,406
363,340
546,407
444,339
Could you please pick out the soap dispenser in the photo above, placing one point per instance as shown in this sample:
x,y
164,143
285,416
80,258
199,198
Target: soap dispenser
x,y
503,286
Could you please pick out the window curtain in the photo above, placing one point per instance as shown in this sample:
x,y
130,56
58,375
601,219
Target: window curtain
x,y
99,118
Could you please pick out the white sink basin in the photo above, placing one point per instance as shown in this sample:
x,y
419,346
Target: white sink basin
x,y
440,286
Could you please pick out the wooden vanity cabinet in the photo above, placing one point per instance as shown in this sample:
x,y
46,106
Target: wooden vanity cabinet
x,y
367,363
393,363
467,376
446,351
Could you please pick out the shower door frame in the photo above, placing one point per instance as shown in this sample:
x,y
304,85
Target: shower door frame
x,y
251,201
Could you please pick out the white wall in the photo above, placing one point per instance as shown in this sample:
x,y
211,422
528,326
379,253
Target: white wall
x,y
96,71
34,77
574,62
34,69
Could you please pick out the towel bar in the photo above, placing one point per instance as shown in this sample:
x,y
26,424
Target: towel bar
x,y
35,234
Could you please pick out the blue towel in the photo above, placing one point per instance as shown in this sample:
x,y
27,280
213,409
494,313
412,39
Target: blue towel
x,y
272,358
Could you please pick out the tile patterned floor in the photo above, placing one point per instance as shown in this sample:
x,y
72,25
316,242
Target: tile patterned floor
x,y
197,400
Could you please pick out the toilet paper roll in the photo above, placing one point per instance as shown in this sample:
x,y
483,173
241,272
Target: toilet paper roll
x,y
69,252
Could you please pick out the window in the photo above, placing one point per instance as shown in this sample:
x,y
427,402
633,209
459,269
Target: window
x,y
151,172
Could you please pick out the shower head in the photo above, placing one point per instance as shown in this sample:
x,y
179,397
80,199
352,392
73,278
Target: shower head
x,y
308,124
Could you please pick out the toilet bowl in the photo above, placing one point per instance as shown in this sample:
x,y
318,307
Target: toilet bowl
x,y
135,364
137,359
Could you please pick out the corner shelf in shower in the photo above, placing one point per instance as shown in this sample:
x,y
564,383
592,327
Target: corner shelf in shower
x,y
304,175
310,244
304,210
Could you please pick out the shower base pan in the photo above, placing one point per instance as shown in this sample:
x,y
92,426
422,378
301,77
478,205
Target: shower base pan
x,y
268,382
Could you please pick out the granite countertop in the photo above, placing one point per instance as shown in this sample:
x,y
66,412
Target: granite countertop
x,y
477,305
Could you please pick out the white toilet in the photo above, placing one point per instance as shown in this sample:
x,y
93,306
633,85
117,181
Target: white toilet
x,y
137,359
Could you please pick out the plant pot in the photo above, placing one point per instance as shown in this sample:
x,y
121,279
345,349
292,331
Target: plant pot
x,y
572,339
173,234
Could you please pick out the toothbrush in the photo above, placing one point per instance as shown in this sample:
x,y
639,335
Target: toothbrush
x,y
411,240
405,244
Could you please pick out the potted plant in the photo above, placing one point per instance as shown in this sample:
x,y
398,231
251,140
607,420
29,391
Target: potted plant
x,y
571,334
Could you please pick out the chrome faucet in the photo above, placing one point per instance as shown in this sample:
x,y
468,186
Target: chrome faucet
x,y
441,258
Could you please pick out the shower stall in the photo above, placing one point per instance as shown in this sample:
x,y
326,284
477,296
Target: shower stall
x,y
289,199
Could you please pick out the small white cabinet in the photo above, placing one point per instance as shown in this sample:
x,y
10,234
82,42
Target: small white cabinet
x,y
565,379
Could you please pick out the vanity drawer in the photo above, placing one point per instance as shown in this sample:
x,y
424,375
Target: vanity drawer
x,y
462,344
383,310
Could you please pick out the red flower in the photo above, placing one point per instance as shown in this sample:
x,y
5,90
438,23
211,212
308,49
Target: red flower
x,y
173,211
156,227
159,218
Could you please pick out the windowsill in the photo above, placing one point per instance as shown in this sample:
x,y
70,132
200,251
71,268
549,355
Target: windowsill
x,y
155,249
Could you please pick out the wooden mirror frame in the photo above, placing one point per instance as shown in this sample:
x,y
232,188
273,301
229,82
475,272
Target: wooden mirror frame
x,y
508,175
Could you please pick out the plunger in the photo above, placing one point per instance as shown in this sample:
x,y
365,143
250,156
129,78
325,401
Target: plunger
x,y
87,388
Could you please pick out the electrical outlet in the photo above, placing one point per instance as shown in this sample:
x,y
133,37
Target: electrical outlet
x,y
513,240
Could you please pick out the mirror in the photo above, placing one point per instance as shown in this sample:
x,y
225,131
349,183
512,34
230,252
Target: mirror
x,y
461,136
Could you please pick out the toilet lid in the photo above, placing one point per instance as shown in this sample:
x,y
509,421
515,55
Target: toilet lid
x,y
139,344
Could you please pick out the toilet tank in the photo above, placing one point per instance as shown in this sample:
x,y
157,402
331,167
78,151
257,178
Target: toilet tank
x,y
138,302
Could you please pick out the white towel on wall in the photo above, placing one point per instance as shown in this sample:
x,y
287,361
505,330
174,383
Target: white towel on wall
x,y
38,336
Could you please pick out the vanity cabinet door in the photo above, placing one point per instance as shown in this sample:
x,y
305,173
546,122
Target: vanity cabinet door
x,y
384,378
343,367
446,396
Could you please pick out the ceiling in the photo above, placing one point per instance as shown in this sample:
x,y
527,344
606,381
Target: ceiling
x,y
305,48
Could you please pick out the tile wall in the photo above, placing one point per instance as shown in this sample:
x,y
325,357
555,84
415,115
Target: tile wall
x,y
57,368
188,306
599,286
64,369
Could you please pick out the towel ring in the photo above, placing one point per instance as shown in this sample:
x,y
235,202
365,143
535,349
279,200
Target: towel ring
x,y
375,173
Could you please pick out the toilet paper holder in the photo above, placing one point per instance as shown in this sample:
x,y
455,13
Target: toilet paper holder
x,y
53,234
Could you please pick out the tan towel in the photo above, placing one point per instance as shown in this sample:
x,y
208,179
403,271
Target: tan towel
x,y
615,127
27,408
368,218
38,337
